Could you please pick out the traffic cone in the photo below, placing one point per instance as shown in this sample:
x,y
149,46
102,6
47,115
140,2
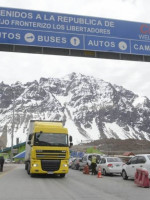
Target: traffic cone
x,y
99,174
86,169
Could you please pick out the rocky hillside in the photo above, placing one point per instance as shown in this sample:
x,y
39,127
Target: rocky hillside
x,y
90,108
116,146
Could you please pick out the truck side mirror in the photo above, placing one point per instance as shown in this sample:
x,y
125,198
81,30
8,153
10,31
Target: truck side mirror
x,y
29,142
70,138
71,144
30,137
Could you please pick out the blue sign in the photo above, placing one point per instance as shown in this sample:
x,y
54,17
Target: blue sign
x,y
77,154
40,38
107,44
55,30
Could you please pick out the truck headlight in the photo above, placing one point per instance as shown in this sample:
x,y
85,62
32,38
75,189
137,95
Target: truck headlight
x,y
35,165
65,165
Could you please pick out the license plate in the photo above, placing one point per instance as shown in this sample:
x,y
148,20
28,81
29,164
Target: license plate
x,y
50,172
117,165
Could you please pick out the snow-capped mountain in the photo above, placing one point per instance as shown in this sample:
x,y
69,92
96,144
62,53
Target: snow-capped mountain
x,y
90,108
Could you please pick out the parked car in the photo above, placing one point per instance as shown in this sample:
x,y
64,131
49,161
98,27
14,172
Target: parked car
x,y
75,163
7,160
138,161
110,165
70,161
87,158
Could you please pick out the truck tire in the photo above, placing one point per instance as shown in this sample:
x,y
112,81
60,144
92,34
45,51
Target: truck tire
x,y
62,175
32,175
28,168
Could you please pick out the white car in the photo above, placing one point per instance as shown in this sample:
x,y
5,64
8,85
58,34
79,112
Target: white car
x,y
70,161
110,165
138,161
8,161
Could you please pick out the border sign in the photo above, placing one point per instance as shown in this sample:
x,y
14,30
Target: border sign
x,y
28,28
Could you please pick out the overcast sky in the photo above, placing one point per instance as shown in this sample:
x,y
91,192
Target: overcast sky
x,y
134,76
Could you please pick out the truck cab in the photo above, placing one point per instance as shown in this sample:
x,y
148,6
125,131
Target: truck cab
x,y
47,148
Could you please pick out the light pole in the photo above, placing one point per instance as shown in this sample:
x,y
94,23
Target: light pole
x,y
12,132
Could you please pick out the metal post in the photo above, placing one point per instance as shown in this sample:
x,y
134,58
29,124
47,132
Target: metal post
x,y
12,133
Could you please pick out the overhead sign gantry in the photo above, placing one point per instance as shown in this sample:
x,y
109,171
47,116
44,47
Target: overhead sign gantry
x,y
63,34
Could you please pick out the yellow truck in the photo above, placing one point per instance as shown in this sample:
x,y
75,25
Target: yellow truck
x,y
47,148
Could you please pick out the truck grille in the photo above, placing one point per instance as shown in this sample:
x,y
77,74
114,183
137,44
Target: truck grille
x,y
50,165
51,154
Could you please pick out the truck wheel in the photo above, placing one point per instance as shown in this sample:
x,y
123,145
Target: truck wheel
x,y
62,175
28,168
32,175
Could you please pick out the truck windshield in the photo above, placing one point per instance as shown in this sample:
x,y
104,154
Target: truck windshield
x,y
50,139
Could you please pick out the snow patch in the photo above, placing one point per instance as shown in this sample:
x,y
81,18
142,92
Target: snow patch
x,y
139,101
109,127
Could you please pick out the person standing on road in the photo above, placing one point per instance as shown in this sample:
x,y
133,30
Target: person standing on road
x,y
1,163
93,164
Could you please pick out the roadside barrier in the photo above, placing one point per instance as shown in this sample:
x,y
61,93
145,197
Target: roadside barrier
x,y
86,169
99,174
141,178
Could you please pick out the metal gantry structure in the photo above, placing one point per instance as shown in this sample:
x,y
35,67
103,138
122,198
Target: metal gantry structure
x,y
12,132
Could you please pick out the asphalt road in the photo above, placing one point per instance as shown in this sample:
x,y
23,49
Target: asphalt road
x,y
15,184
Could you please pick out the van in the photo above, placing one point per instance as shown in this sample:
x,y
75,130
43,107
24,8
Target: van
x,y
87,158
